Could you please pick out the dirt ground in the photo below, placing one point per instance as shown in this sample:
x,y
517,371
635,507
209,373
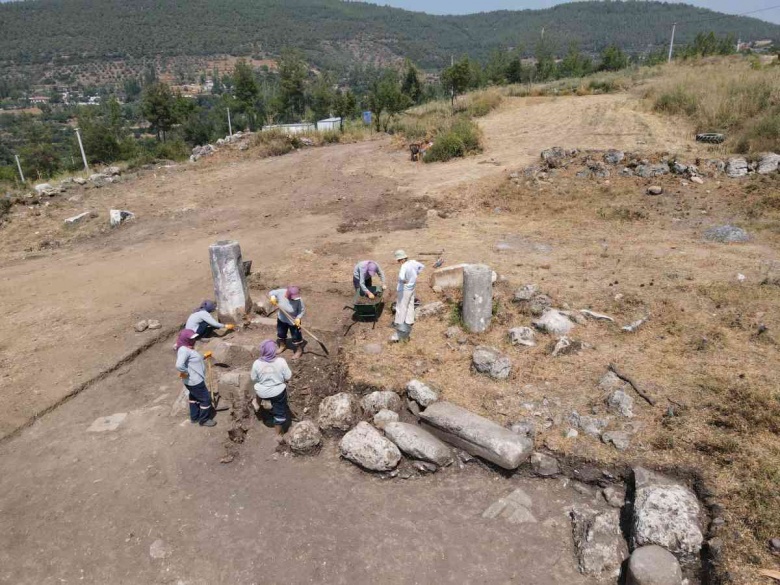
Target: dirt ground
x,y
72,297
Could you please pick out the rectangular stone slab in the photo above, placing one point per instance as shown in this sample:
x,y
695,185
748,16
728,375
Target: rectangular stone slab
x,y
476,434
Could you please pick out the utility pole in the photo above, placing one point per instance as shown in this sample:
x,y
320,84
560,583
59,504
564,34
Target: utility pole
x,y
230,126
19,166
739,42
542,33
671,43
81,147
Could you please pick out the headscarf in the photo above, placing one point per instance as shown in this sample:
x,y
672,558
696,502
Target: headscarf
x,y
293,293
268,350
208,306
186,339
372,268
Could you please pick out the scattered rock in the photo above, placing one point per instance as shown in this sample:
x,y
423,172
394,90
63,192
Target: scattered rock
x,y
697,180
418,443
544,465
421,393
653,565
142,326
522,336
80,218
339,412
154,324
119,216
555,157
598,542
425,467
47,190
774,545
768,163
113,171
678,169
737,167
477,435
107,423
514,508
610,382
383,417
726,234
99,179
490,361
381,400
613,497
524,428
566,346
554,322
525,293
79,180
159,550
539,304
372,348
303,437
572,434
619,401
596,316
655,190
413,407
667,514
366,447
590,425
430,309
452,332
618,439
614,157
649,171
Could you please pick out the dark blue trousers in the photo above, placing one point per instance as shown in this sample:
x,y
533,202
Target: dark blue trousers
x,y
295,332
201,409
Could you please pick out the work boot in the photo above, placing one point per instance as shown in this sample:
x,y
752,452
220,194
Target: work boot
x,y
298,352
209,423
281,345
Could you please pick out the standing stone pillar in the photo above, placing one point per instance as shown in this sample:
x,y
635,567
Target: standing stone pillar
x,y
230,288
477,297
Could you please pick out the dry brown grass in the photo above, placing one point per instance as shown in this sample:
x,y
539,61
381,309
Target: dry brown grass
x,y
701,352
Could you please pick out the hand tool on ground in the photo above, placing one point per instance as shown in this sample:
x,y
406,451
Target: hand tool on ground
x,y
309,333
210,379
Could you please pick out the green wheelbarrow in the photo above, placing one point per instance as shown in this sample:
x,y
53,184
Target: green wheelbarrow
x,y
367,310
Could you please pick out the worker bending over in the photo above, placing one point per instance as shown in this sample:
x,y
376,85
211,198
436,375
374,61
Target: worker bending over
x,y
363,277
192,371
291,311
202,323
270,375
407,282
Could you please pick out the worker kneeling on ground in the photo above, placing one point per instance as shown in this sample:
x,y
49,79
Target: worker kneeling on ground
x,y
363,277
404,307
192,371
202,323
291,310
270,375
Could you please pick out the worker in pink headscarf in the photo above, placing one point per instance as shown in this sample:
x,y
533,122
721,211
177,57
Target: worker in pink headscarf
x,y
270,374
363,276
192,371
291,311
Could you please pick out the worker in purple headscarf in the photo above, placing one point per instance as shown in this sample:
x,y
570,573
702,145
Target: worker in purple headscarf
x,y
192,371
270,375
363,277
291,311
202,323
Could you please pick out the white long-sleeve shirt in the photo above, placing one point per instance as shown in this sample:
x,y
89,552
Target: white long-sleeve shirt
x,y
407,275
295,309
198,317
191,363
270,378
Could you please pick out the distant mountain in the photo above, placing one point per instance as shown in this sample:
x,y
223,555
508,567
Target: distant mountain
x,y
334,32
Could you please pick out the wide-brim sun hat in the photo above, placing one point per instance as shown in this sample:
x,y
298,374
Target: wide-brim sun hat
x,y
400,255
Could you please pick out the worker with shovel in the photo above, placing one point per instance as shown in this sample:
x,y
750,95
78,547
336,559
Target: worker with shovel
x,y
192,371
363,277
291,310
270,375
202,323
404,307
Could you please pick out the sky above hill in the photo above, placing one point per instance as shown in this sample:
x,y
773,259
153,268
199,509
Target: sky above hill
x,y
469,6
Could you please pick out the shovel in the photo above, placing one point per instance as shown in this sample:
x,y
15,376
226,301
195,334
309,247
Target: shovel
x,y
214,395
309,333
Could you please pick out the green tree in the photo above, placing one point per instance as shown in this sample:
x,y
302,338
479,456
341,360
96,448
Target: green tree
x,y
515,70
158,108
39,156
292,84
345,106
613,59
456,79
575,64
546,68
132,89
497,68
386,100
412,86
322,97
247,92
102,132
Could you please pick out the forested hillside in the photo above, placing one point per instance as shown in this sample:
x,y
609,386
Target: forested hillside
x,y
333,32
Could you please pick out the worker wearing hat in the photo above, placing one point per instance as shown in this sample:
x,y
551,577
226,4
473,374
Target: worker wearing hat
x,y
363,274
291,311
407,282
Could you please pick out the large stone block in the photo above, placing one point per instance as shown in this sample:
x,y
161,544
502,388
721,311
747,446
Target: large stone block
x,y
418,443
653,565
339,412
235,386
476,435
366,447
230,287
598,541
381,399
477,297
452,276
231,355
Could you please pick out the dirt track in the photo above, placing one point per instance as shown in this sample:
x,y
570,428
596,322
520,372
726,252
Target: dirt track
x,y
69,313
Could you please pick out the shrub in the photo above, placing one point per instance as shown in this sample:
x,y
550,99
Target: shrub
x,y
5,208
446,146
676,102
331,137
172,150
468,133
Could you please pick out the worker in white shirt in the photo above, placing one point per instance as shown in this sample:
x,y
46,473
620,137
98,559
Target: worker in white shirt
x,y
407,282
